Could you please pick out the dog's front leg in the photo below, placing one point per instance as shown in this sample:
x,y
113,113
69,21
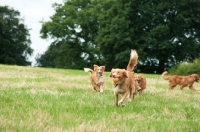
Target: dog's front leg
x,y
192,88
124,96
116,99
96,87
102,87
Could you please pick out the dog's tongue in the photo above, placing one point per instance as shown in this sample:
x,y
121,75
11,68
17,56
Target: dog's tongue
x,y
99,74
137,81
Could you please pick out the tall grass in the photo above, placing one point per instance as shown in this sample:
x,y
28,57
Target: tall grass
x,y
57,100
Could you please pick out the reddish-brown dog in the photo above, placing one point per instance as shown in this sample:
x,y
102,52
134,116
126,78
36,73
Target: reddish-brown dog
x,y
96,77
124,82
183,81
140,82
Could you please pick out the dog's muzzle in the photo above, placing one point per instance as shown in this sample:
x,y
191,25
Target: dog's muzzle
x,y
99,74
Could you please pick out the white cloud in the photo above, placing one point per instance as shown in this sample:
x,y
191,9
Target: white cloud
x,y
34,11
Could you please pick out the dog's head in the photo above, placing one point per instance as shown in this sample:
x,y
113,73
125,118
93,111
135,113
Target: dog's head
x,y
195,77
99,70
138,78
121,74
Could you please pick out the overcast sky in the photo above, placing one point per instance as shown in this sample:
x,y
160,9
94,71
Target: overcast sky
x,y
34,11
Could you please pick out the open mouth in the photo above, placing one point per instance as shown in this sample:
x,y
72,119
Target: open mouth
x,y
99,74
137,81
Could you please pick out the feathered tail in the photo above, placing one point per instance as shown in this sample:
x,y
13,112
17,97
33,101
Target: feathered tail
x,y
163,75
133,60
88,70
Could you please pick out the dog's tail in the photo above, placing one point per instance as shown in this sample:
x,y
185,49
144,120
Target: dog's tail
x,y
133,60
88,70
163,76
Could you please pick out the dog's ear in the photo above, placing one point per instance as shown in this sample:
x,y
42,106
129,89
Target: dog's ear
x,y
95,67
196,77
125,74
103,67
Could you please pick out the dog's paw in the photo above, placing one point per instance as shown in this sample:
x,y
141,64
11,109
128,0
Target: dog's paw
x,y
101,90
121,103
129,99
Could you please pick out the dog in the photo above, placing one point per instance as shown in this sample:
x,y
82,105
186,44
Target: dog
x,y
183,81
124,82
96,77
140,81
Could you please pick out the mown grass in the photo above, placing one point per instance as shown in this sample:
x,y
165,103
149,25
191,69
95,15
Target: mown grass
x,y
42,99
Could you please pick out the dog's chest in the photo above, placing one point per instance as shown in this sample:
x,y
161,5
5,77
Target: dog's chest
x,y
99,80
118,90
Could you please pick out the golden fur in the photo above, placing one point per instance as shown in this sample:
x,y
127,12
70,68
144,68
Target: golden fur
x,y
125,86
140,81
183,81
96,77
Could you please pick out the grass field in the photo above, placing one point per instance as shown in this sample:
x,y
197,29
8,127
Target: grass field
x,y
59,100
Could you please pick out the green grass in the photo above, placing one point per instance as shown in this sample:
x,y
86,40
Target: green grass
x,y
57,100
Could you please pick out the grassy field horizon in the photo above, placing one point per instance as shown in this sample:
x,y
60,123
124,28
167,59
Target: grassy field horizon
x,y
61,100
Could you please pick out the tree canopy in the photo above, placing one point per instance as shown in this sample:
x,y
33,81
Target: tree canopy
x,y
14,38
88,32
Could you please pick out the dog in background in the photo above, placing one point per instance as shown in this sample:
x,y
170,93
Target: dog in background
x,y
140,81
183,81
124,82
96,77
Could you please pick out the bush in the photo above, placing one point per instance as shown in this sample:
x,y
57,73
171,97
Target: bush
x,y
186,68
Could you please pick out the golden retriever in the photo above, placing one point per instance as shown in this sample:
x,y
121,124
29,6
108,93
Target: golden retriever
x,y
183,81
140,81
96,77
124,82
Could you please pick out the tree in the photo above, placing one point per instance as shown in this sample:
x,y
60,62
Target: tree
x,y
99,31
163,32
14,38
74,27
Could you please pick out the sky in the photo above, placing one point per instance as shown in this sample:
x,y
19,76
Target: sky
x,y
34,11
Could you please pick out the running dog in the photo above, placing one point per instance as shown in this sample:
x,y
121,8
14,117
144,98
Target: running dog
x,y
140,82
124,82
183,81
96,77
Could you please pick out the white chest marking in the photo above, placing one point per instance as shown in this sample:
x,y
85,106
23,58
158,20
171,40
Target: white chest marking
x,y
117,89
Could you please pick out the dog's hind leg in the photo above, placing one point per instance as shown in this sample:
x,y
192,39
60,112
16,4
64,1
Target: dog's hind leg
x,y
131,93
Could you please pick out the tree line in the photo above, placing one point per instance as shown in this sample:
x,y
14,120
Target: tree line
x,y
88,32
102,32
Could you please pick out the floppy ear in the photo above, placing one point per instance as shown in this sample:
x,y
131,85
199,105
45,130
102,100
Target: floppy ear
x,y
125,74
197,77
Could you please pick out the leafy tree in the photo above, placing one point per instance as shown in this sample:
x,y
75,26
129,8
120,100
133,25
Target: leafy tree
x,y
163,32
14,38
74,27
